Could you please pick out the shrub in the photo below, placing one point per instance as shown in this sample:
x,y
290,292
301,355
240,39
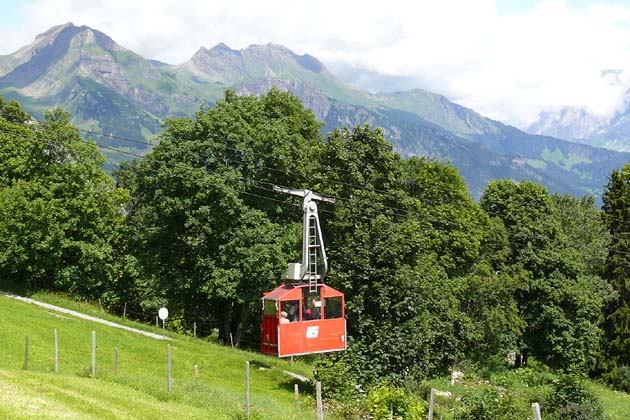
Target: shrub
x,y
619,378
383,400
488,404
571,400
339,382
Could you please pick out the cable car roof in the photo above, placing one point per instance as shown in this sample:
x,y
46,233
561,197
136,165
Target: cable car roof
x,y
294,292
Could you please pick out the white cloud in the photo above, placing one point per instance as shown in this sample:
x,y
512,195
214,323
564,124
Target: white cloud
x,y
505,66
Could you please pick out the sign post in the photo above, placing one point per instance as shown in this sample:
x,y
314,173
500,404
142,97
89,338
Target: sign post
x,y
163,314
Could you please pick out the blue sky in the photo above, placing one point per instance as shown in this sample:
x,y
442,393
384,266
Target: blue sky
x,y
508,59
9,12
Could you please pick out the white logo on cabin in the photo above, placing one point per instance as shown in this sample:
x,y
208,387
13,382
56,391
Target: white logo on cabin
x,y
312,332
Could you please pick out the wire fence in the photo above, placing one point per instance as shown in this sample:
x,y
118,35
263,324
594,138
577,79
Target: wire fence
x,y
160,369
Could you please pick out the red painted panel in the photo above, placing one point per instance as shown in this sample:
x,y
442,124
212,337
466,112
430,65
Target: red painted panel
x,y
269,335
301,337
317,336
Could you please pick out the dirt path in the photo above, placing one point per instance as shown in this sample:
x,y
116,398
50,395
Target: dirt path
x,y
83,316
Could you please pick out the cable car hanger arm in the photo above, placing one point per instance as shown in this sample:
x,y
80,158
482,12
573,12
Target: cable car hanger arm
x,y
312,239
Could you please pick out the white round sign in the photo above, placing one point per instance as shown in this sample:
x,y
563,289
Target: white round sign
x,y
163,313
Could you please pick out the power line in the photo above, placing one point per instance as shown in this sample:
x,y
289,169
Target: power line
x,y
284,171
304,176
394,211
405,214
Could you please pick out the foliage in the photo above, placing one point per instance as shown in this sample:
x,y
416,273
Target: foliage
x,y
558,299
340,384
488,299
387,402
619,378
570,399
584,229
61,223
489,404
616,215
205,234
403,271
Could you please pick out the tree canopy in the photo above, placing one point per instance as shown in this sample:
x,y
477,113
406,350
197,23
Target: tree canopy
x,y
60,214
431,278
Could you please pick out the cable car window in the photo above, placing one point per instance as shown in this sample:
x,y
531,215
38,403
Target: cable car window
x,y
292,308
312,305
270,307
333,307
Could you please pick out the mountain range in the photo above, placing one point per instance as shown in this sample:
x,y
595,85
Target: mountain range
x,y
118,95
578,124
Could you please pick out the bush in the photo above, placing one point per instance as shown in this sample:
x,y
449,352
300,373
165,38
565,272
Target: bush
x,y
488,405
619,378
343,396
383,400
339,382
571,400
576,411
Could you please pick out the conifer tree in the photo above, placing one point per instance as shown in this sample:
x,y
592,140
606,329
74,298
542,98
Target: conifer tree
x,y
616,213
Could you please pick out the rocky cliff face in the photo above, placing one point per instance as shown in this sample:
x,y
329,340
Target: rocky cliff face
x,y
227,66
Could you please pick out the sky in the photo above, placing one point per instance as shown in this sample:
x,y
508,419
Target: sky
x,y
507,59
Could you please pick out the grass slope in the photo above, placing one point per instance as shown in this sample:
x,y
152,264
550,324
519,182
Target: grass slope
x,y
139,389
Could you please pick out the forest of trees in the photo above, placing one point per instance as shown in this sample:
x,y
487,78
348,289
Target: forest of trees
x,y
431,277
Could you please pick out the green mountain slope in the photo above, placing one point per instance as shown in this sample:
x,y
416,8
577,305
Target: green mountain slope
x,y
139,389
107,88
116,93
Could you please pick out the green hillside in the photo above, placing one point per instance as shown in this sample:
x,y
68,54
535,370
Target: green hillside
x,y
139,388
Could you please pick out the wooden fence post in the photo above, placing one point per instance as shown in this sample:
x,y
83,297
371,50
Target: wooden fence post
x,y
26,354
431,403
93,353
536,411
196,375
297,397
125,311
231,341
194,329
115,360
168,363
246,388
320,408
56,353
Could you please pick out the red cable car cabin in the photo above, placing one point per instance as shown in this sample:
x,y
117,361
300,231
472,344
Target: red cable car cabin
x,y
304,316
312,322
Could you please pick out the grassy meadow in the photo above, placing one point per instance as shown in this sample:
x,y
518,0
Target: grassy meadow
x,y
139,389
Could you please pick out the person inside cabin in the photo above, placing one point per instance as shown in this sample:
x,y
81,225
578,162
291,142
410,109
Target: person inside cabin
x,y
316,306
293,313
283,318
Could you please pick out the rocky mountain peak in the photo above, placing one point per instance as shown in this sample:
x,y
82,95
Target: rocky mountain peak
x,y
221,48
215,52
52,33
226,65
